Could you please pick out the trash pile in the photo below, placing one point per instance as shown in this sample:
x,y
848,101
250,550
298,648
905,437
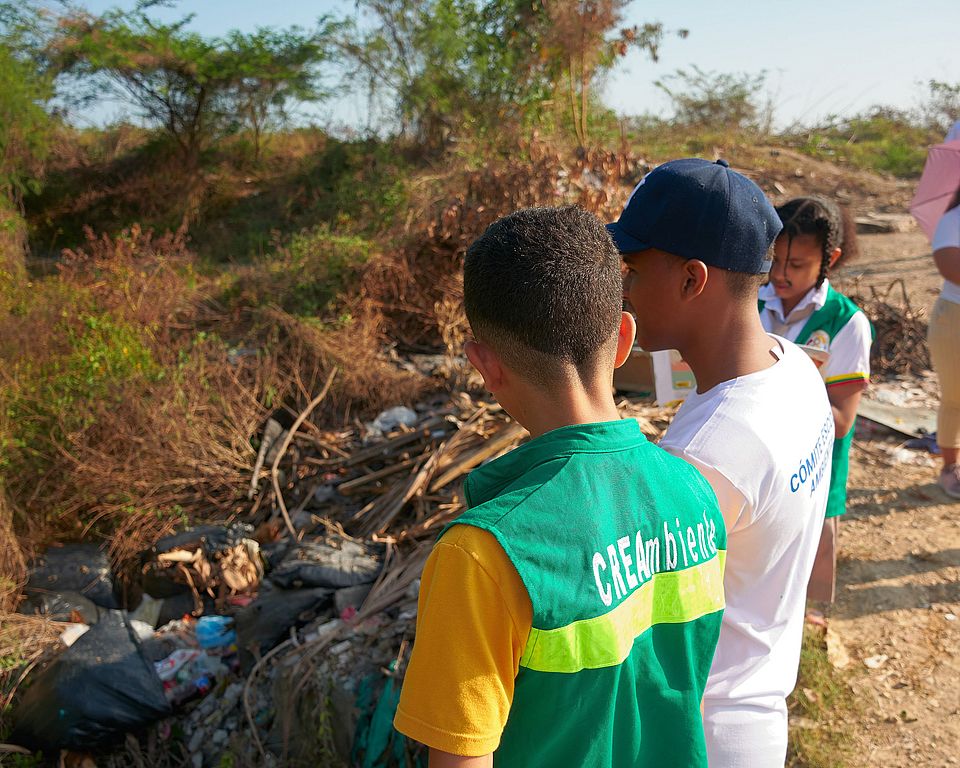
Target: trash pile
x,y
283,637
900,346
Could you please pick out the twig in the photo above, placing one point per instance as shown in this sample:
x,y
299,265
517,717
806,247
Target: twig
x,y
247,708
286,444
491,448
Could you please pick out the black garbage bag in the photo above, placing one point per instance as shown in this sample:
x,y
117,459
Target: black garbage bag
x,y
60,606
212,539
96,691
318,564
263,624
82,568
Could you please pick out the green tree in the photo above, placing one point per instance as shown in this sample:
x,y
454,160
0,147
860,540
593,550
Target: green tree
x,y
274,70
942,108
716,100
417,55
581,40
483,64
25,90
196,89
25,127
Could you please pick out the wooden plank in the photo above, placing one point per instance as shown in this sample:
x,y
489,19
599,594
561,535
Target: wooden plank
x,y
351,486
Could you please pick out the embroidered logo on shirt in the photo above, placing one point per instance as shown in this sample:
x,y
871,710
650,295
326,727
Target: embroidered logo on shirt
x,y
819,340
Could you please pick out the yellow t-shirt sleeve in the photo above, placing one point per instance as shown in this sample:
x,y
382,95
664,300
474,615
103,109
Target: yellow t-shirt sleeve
x,y
474,617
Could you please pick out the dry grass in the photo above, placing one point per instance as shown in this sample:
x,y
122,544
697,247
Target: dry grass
x,y
25,641
13,567
821,708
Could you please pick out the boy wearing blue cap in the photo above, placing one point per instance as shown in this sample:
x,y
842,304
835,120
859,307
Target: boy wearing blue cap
x,y
696,238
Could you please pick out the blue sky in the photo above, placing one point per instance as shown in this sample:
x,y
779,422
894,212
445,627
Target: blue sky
x,y
822,56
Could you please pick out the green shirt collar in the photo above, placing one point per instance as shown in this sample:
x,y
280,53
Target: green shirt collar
x,y
489,481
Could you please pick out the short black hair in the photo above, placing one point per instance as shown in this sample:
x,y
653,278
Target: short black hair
x,y
829,223
743,286
543,287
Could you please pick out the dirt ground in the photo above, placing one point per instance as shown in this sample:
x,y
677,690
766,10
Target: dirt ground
x,y
899,573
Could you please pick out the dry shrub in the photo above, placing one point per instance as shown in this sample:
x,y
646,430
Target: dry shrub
x,y
25,641
137,275
176,449
127,417
367,381
408,284
900,344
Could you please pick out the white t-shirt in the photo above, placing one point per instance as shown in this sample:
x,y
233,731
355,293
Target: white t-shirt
x,y
948,236
764,442
849,350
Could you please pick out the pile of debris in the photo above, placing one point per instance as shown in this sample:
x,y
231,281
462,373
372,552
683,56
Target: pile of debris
x,y
283,637
900,346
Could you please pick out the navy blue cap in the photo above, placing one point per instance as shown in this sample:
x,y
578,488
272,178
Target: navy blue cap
x,y
700,210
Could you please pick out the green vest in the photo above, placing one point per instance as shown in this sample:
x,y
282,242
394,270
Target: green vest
x,y
836,312
621,548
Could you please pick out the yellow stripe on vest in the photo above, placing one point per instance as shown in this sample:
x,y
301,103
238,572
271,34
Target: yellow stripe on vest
x,y
670,597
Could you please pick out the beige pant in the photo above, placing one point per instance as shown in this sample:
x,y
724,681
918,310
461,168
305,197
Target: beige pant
x,y
944,341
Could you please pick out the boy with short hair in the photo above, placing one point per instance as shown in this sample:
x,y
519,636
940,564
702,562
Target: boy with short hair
x,y
696,238
569,617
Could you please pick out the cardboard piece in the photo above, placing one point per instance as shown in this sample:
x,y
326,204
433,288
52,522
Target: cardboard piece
x,y
672,377
914,422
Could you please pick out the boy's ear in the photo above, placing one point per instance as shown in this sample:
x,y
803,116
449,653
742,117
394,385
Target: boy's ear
x,y
487,363
834,255
694,278
625,336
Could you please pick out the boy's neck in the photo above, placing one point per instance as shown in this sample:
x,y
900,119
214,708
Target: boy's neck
x,y
540,413
736,345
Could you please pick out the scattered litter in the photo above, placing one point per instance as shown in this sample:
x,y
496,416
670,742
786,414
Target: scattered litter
x,y
215,632
392,418
950,616
326,616
903,455
926,443
875,662
73,632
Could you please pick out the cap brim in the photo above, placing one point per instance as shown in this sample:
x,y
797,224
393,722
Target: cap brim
x,y
625,242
